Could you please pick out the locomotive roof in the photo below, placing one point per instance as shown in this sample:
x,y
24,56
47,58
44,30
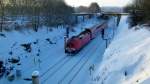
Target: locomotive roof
x,y
81,34
88,30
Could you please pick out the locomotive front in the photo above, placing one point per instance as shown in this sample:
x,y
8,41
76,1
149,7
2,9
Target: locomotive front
x,y
72,45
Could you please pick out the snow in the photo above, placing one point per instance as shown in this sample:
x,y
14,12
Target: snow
x,y
48,57
126,59
35,73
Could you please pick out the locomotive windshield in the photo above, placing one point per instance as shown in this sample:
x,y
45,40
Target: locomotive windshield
x,y
70,45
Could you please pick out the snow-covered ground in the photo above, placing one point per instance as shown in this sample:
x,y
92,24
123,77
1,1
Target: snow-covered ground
x,y
48,57
127,59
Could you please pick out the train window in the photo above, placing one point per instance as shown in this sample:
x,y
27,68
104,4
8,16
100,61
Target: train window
x,y
84,33
81,36
88,31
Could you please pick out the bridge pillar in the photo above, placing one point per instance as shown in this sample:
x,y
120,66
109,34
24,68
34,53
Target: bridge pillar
x,y
118,19
83,18
76,19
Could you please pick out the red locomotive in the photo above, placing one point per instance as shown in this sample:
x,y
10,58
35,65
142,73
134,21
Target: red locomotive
x,y
76,43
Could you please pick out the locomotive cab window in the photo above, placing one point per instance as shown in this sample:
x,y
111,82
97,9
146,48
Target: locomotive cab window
x,y
81,36
70,45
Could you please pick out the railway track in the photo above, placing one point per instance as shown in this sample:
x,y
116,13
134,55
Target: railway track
x,y
72,68
82,54
54,68
58,68
77,64
81,67
54,65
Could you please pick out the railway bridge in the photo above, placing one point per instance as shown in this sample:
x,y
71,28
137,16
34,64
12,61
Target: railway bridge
x,y
97,14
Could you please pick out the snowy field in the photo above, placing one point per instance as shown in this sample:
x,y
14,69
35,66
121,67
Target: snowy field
x,y
127,59
47,55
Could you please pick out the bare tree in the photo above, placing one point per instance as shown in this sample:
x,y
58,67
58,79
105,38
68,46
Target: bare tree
x,y
94,8
139,11
1,14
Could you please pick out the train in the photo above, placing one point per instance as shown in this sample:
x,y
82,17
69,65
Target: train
x,y
76,43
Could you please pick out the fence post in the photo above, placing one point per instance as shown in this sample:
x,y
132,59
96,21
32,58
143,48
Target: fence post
x,y
35,77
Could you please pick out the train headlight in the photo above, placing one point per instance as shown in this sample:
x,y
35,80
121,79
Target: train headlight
x,y
73,49
70,49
